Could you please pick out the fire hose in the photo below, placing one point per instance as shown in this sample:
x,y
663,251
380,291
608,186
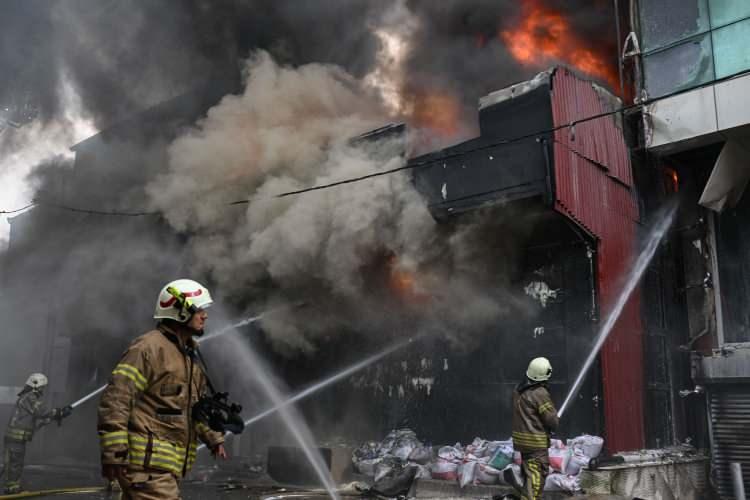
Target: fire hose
x,y
57,491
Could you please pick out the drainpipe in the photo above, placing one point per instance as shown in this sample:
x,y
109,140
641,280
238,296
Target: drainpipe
x,y
631,49
619,48
592,274
549,197
739,486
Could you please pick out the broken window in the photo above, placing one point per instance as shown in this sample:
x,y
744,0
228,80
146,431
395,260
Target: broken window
x,y
680,67
731,54
733,241
728,11
664,22
689,42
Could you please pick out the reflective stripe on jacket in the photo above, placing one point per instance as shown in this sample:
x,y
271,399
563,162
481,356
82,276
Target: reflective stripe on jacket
x,y
534,417
145,412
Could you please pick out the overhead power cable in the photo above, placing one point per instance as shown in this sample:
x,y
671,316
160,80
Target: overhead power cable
x,y
15,211
409,166
93,212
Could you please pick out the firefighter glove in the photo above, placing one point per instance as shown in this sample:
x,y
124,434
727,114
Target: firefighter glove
x,y
61,413
113,472
65,411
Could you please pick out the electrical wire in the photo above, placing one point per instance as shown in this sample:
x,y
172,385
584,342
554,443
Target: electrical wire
x,y
93,211
413,165
15,211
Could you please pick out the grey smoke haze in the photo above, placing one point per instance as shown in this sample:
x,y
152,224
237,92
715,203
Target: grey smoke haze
x,y
290,129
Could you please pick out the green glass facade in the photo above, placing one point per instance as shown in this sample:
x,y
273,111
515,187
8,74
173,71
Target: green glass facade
x,y
687,43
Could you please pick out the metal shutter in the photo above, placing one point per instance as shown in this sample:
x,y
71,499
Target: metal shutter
x,y
730,430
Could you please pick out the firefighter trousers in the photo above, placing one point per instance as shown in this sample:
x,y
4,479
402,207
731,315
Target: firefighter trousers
x,y
15,453
149,485
536,470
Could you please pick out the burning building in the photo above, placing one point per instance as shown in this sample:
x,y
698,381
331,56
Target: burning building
x,y
543,203
489,252
539,150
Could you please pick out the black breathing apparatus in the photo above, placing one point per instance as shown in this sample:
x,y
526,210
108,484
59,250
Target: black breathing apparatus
x,y
217,412
214,410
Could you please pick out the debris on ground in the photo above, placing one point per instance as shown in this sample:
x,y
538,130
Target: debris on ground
x,y
480,462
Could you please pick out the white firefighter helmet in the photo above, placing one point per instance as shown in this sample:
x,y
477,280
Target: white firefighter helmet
x,y
179,299
37,381
540,370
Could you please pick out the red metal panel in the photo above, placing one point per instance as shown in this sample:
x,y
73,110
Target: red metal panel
x,y
594,188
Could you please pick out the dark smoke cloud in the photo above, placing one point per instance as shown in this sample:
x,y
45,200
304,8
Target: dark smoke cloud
x,y
457,47
123,56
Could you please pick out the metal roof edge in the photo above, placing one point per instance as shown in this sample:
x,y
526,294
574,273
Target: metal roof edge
x,y
517,89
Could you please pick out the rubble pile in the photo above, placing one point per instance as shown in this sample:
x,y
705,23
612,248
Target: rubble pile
x,y
481,462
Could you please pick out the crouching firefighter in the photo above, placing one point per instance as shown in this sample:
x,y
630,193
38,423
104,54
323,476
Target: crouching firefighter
x,y
29,415
534,418
147,423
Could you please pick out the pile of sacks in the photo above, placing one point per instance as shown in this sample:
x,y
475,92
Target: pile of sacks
x,y
568,459
481,462
399,449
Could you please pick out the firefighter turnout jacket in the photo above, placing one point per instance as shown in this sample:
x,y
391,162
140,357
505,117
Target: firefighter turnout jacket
x,y
534,417
29,415
145,419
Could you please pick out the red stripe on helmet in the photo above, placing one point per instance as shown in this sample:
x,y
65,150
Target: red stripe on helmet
x,y
186,294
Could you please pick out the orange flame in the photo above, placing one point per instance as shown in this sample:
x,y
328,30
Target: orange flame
x,y
435,110
403,282
673,179
544,35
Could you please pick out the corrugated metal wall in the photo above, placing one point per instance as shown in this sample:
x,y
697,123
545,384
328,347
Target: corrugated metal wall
x,y
594,187
730,419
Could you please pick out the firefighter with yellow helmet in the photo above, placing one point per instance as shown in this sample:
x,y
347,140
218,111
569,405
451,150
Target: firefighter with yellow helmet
x,y
29,415
147,433
534,418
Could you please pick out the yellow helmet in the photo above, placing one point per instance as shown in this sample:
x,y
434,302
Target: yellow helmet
x,y
540,370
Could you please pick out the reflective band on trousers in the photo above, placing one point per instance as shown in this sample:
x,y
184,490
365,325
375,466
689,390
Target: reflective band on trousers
x,y
132,373
164,455
18,434
529,440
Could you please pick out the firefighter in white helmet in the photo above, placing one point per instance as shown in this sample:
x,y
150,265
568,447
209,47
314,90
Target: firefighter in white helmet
x,y
534,418
29,415
147,434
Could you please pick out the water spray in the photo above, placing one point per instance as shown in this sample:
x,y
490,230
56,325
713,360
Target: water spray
x,y
644,259
212,335
330,380
346,372
291,419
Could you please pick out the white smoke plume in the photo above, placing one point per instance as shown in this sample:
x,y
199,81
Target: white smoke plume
x,y
291,128
24,147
